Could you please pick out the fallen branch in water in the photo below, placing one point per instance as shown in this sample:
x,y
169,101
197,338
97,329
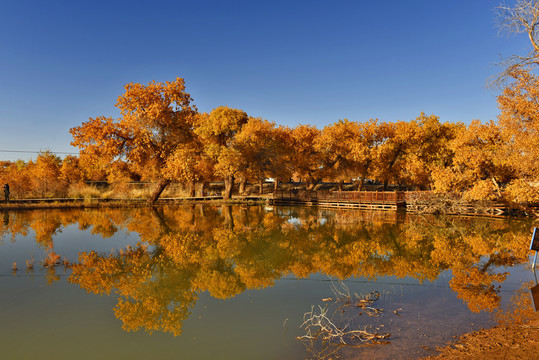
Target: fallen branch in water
x,y
343,296
319,327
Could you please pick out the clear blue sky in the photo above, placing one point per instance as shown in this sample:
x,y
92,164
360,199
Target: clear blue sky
x,y
292,62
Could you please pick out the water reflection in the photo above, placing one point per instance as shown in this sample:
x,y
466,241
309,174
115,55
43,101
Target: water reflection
x,y
226,250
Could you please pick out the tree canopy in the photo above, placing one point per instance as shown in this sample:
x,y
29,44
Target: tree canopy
x,y
155,123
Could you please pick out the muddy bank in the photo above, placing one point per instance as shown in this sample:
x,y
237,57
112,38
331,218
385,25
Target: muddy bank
x,y
509,341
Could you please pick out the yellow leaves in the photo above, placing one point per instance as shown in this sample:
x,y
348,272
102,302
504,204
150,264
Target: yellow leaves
x,y
482,190
156,119
306,160
479,164
519,122
522,192
220,125
161,134
265,150
476,288
157,102
229,162
182,165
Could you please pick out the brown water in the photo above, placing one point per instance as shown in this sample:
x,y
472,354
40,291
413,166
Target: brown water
x,y
234,282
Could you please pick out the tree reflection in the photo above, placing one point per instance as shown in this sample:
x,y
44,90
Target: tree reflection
x,y
226,250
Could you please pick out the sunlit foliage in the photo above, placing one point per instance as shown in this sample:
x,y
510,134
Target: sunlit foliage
x,y
156,119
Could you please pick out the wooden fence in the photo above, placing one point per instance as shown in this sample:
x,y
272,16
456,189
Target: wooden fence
x,y
350,199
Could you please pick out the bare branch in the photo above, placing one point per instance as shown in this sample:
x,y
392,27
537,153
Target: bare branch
x,y
510,66
523,17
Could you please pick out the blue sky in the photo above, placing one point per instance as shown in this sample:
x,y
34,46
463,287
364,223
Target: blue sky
x,y
291,62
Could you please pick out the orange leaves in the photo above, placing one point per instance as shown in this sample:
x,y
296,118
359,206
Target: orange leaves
x,y
157,103
335,145
265,149
479,164
220,125
100,136
183,165
486,157
161,135
156,120
519,123
70,171
522,192
306,160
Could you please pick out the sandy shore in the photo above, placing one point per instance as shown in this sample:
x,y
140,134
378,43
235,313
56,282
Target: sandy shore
x,y
514,341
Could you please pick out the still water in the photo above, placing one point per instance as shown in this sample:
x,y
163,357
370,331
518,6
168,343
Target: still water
x,y
253,282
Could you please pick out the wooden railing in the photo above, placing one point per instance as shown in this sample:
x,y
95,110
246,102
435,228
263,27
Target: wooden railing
x,y
369,196
360,197
296,195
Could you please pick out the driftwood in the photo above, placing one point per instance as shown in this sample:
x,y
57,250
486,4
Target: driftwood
x,y
324,336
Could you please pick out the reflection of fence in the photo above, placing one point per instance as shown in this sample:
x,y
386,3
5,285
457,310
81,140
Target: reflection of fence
x,y
350,199
295,195
383,197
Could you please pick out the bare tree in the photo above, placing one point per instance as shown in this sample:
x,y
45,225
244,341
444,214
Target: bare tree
x,y
522,17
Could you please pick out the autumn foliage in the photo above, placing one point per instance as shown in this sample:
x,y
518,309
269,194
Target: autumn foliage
x,y
161,138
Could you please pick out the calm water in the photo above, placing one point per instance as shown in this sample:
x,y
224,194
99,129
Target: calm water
x,y
234,282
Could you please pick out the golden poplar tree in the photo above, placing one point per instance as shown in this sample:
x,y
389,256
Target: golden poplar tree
x,y
217,131
156,120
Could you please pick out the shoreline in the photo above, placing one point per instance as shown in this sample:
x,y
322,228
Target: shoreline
x,y
80,203
504,341
72,203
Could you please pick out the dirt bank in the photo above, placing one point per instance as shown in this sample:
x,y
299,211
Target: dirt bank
x,y
514,341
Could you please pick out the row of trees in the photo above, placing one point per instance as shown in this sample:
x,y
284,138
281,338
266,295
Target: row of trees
x,y
162,133
45,176
161,137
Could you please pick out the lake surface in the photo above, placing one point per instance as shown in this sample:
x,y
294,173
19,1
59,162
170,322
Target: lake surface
x,y
245,282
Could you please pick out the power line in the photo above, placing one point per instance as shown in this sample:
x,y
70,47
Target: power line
x,y
353,281
38,152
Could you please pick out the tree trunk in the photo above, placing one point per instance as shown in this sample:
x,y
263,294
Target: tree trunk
x,y
192,213
361,182
260,186
229,219
160,218
192,188
161,185
276,185
498,191
202,190
229,185
364,176
341,183
241,190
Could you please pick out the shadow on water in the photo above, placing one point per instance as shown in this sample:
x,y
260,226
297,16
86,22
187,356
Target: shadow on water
x,y
180,260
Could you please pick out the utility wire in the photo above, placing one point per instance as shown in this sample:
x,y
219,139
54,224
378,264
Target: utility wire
x,y
356,281
37,152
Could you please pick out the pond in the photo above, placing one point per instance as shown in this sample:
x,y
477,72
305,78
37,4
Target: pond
x,y
253,282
